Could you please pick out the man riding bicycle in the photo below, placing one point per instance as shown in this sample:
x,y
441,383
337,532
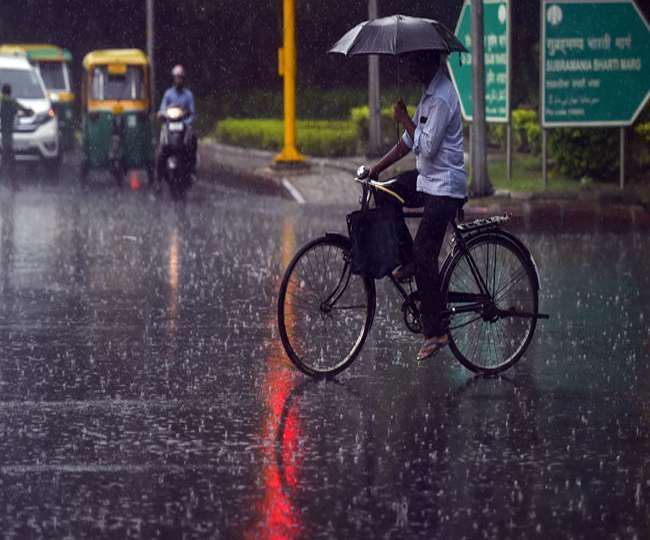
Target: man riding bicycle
x,y
435,135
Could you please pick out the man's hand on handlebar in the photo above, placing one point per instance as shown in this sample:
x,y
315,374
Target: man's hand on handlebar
x,y
373,173
362,172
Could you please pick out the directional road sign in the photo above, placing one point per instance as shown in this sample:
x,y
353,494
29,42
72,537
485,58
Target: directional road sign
x,y
595,62
496,28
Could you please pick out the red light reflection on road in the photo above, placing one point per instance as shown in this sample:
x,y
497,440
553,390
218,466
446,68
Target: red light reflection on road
x,y
278,518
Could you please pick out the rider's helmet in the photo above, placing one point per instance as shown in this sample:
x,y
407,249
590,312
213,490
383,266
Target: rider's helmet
x,y
178,71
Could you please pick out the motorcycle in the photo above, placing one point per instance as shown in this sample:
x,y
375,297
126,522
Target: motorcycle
x,y
175,144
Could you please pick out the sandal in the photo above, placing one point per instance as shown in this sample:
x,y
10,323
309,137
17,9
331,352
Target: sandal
x,y
430,347
405,273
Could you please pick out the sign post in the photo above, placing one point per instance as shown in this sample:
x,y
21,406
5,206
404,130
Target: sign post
x,y
287,68
621,179
374,104
496,24
595,68
150,50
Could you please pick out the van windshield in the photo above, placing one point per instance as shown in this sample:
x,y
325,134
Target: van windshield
x,y
127,85
53,74
24,83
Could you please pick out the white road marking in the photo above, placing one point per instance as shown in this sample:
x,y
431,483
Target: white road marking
x,y
297,196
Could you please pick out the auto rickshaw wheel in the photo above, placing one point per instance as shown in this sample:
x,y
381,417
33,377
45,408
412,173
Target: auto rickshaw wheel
x,y
83,174
119,173
151,175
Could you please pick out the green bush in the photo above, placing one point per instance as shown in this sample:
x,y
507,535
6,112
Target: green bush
x,y
640,150
526,131
496,135
326,138
534,138
642,131
585,152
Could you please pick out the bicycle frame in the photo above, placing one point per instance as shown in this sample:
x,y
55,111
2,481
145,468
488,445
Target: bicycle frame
x,y
471,302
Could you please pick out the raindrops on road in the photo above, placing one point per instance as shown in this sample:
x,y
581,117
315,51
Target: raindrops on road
x,y
144,391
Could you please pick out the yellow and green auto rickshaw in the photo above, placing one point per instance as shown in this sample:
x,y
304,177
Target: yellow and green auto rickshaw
x,y
53,63
117,126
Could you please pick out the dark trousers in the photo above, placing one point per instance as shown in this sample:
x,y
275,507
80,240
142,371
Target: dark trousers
x,y
425,250
8,160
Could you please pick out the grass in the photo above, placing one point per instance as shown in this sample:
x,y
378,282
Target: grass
x,y
527,175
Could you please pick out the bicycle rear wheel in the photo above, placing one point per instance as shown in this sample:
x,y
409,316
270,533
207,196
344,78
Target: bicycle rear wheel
x,y
494,336
324,311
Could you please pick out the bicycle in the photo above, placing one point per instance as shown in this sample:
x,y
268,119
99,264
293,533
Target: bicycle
x,y
489,281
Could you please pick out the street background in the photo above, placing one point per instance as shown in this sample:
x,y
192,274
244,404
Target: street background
x,y
144,391
234,74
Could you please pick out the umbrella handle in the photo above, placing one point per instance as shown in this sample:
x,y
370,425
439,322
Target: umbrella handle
x,y
397,134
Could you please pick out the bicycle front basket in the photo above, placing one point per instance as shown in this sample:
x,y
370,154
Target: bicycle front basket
x,y
375,241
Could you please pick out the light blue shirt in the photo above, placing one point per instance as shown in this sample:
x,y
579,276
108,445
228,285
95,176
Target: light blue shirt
x,y
438,140
183,99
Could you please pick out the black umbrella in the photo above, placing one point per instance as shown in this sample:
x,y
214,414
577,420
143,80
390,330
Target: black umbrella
x,y
395,35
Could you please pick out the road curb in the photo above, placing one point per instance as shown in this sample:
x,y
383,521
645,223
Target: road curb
x,y
237,175
252,170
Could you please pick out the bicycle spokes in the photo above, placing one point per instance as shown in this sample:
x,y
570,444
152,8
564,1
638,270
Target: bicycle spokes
x,y
491,330
328,307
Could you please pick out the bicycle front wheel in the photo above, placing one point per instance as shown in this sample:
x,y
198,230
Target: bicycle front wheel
x,y
494,335
324,311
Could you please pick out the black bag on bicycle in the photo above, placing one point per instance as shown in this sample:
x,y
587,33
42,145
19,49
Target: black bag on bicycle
x,y
374,234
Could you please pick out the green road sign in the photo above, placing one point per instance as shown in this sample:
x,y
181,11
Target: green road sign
x,y
596,62
496,28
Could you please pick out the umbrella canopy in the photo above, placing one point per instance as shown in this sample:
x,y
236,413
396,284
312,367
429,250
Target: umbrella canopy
x,y
397,34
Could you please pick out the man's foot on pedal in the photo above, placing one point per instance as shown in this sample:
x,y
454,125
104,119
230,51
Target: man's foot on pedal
x,y
405,273
431,346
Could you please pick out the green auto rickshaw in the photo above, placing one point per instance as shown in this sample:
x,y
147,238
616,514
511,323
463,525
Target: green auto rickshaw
x,y
53,63
117,125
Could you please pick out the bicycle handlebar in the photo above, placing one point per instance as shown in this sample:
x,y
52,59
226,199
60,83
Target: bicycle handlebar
x,y
362,178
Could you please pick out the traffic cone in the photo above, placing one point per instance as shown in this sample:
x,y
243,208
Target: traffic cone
x,y
134,181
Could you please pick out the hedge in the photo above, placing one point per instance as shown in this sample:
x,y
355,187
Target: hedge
x,y
327,138
526,131
590,152
359,117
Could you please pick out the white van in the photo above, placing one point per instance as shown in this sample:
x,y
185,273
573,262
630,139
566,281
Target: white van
x,y
36,136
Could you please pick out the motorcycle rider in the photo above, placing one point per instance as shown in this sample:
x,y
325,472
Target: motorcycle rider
x,y
178,96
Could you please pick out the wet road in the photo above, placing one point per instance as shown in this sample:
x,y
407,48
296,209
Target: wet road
x,y
144,393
